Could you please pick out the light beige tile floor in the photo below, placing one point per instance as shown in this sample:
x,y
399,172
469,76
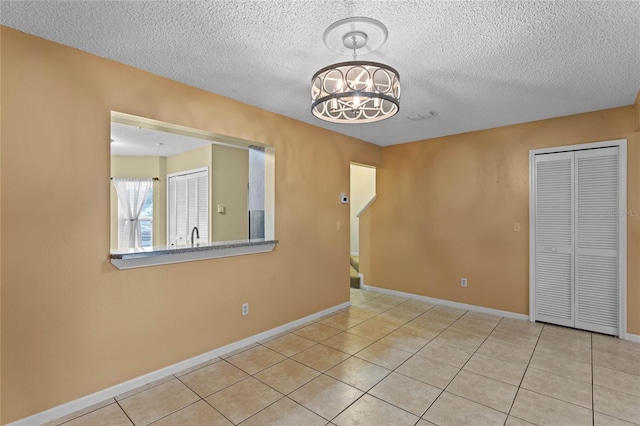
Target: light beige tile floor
x,y
388,360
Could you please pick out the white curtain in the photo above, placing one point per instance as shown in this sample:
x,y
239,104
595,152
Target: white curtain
x,y
132,193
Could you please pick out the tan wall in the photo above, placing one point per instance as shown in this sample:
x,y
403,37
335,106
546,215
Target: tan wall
x,y
446,208
0,258
637,105
229,180
189,160
142,166
66,311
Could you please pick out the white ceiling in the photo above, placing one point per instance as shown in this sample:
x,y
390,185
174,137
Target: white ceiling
x,y
136,140
477,65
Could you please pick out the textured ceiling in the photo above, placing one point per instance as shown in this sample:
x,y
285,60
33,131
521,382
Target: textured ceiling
x,y
477,65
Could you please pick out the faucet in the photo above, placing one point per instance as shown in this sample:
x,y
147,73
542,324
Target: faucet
x,y
195,229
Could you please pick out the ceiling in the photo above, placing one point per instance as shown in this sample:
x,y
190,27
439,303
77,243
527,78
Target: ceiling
x,y
136,140
477,65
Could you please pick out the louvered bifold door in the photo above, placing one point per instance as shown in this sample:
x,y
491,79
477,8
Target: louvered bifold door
x,y
203,207
554,238
596,218
177,219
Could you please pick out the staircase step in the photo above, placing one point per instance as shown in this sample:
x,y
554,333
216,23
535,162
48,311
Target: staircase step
x,y
355,279
355,262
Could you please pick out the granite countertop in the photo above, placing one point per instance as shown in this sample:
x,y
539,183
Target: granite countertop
x,y
165,250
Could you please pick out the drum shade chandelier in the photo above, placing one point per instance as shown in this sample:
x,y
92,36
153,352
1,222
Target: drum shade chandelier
x,y
356,91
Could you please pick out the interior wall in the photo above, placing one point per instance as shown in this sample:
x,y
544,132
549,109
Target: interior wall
x,y
637,105
189,160
66,311
446,209
141,167
633,226
229,179
0,256
362,188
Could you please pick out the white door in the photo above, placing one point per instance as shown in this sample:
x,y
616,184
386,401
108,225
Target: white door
x,y
577,237
597,234
188,207
554,238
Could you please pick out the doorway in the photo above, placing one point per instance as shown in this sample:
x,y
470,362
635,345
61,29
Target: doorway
x,y
362,188
578,236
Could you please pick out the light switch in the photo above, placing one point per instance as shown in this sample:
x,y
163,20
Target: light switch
x,y
221,209
516,227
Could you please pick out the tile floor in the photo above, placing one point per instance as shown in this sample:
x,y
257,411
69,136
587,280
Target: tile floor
x,y
394,361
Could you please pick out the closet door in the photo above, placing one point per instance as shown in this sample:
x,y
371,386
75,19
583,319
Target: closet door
x,y
554,295
188,207
597,222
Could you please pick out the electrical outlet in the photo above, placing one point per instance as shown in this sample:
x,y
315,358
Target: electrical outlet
x,y
245,309
463,282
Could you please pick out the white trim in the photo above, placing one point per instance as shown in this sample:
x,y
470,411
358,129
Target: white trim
x,y
354,253
114,391
622,243
361,276
532,235
444,302
633,337
622,228
188,172
270,192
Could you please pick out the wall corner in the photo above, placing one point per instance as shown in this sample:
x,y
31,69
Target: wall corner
x,y
636,116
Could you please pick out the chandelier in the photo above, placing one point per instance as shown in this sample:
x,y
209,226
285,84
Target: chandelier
x,y
355,91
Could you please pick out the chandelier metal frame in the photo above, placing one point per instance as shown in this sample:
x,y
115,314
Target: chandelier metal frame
x,y
355,91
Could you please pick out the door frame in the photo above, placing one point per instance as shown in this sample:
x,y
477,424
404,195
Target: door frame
x,y
621,144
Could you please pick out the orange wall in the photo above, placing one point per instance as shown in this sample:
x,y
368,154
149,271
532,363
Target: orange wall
x,y
0,252
72,324
446,209
637,104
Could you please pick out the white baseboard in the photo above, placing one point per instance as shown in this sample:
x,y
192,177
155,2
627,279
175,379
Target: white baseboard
x,y
444,302
507,314
633,337
119,389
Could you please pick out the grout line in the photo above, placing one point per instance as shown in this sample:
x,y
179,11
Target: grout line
x,y
214,408
463,365
125,413
525,372
225,387
390,403
173,412
393,329
60,422
354,356
425,345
